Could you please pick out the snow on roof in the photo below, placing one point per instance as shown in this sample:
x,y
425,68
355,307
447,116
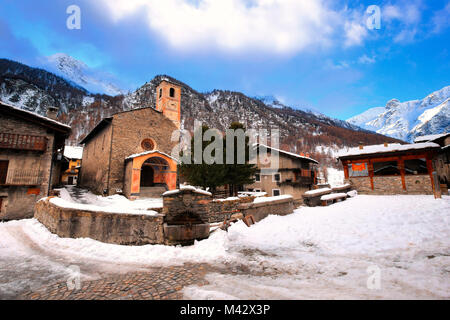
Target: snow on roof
x,y
430,137
35,115
193,189
380,148
287,153
73,152
149,152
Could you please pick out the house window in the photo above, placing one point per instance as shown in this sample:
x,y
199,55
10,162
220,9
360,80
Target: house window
x,y
277,177
276,192
160,93
257,177
358,169
172,92
386,168
257,190
416,166
3,171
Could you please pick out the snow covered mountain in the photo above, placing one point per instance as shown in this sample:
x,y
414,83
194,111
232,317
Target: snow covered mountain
x,y
407,120
300,130
80,74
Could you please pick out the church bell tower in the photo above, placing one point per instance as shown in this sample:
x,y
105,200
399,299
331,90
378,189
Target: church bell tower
x,y
168,101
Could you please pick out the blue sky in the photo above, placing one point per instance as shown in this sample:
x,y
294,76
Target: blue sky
x,y
307,53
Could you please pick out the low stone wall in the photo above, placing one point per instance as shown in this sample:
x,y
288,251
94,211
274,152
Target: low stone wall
x,y
418,184
125,229
361,184
392,185
219,210
261,210
132,229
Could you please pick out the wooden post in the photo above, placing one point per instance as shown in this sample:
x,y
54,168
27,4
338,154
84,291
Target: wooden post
x,y
370,168
401,166
345,164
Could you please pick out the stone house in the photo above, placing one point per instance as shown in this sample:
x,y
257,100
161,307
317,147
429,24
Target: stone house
x,y
392,168
129,152
71,164
294,175
442,160
30,148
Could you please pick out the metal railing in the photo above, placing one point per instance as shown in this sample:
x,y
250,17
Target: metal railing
x,y
22,142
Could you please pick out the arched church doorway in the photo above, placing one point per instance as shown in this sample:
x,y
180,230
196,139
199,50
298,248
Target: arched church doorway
x,y
147,176
153,177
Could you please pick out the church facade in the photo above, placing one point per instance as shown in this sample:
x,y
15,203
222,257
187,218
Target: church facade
x,y
129,152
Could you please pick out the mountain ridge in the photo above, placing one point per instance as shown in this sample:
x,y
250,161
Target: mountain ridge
x,y
410,119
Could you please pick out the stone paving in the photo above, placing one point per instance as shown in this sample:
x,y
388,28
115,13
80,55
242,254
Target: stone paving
x,y
163,283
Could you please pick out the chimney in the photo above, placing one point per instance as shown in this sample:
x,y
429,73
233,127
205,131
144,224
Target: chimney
x,y
52,112
302,154
386,144
307,155
361,146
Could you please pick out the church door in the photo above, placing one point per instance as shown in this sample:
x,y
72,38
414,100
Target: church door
x,y
147,174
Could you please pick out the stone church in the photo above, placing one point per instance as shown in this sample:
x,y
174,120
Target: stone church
x,y
129,152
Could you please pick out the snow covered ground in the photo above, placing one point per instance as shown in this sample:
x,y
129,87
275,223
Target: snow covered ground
x,y
365,247
73,197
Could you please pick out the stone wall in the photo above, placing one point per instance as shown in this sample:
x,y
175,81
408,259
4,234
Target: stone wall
x,y
96,152
261,210
388,185
224,209
391,185
164,228
418,184
361,184
221,209
124,229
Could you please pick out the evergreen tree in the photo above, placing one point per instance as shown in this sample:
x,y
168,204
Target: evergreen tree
x,y
204,175
239,174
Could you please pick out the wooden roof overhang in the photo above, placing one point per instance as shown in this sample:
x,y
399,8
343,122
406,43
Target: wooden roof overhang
x,y
393,155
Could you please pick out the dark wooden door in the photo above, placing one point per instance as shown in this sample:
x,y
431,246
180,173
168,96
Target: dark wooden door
x,y
147,175
70,180
3,171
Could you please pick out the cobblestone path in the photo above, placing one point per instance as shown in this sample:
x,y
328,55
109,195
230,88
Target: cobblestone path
x,y
157,284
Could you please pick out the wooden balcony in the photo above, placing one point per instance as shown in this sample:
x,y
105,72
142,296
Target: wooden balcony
x,y
20,177
22,142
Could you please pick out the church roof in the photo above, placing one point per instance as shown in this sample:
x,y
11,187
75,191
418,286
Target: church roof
x,y
102,124
149,152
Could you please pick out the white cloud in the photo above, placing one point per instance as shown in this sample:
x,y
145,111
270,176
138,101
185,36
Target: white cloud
x,y
408,14
406,36
364,59
441,19
355,33
273,26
